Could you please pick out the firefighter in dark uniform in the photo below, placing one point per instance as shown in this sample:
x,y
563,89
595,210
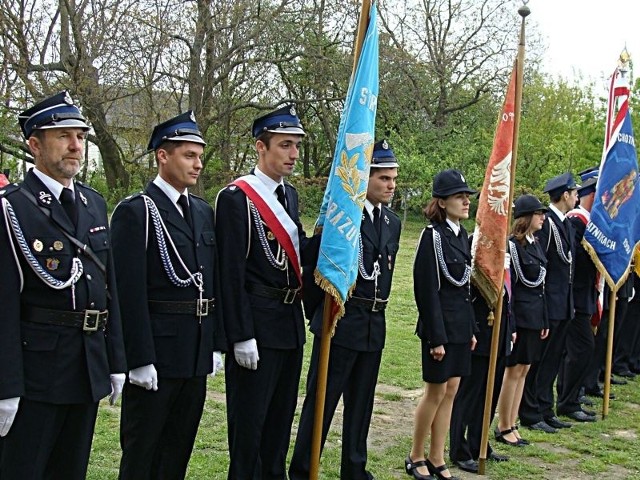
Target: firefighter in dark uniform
x,y
260,243
165,258
60,336
356,347
580,343
557,241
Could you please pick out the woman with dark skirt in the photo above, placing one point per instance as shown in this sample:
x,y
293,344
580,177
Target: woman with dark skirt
x,y
441,275
528,272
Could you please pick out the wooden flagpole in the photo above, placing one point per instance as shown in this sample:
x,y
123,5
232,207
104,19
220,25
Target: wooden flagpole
x,y
327,320
613,298
524,11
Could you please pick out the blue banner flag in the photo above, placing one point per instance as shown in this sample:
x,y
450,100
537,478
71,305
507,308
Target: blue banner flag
x,y
341,211
614,227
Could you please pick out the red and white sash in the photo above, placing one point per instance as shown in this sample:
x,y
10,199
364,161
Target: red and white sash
x,y
275,216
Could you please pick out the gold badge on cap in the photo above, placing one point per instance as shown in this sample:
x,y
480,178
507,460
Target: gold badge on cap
x,y
67,98
292,110
57,245
385,145
37,245
52,264
462,178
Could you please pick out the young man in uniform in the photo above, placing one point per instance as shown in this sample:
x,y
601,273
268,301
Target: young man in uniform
x,y
261,241
165,257
356,347
60,336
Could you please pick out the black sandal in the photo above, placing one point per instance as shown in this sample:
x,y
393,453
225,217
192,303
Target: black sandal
x,y
411,468
437,471
521,440
499,436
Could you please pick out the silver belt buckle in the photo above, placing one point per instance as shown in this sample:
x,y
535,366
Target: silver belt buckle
x,y
290,296
202,307
91,320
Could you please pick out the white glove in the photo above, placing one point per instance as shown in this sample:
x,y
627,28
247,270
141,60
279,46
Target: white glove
x,y
8,410
507,260
246,354
117,382
145,377
218,365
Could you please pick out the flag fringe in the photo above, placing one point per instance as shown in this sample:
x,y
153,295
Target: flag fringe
x,y
329,288
602,269
485,286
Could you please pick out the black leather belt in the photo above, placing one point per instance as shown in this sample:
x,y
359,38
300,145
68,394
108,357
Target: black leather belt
x,y
87,320
191,307
371,305
287,295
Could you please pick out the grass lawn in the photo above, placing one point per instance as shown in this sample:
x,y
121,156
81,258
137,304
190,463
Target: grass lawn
x,y
606,449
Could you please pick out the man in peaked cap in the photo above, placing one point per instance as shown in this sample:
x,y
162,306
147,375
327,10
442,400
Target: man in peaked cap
x,y
580,343
262,244
60,335
167,271
557,240
356,347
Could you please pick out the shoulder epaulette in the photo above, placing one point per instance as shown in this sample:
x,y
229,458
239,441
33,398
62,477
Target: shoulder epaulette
x,y
133,196
84,185
290,185
387,209
9,189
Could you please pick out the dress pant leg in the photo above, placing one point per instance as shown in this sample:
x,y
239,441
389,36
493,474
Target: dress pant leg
x,y
255,399
580,344
339,369
276,435
358,397
550,365
470,387
622,339
179,434
48,441
633,314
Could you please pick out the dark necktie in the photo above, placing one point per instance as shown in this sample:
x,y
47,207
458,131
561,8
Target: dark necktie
x,y
376,220
186,211
281,198
69,205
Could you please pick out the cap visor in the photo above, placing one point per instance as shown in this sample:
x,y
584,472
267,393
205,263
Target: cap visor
x,y
287,130
385,165
67,123
187,138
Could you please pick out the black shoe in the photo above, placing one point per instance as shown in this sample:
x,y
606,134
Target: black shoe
x,y
580,416
555,422
496,457
600,394
467,465
499,436
584,400
625,373
635,370
411,468
542,426
437,471
591,413
618,381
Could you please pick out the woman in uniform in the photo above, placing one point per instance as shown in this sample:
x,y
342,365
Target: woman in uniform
x,y
532,326
445,326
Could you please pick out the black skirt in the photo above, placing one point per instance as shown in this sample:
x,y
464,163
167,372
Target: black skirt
x,y
527,349
455,363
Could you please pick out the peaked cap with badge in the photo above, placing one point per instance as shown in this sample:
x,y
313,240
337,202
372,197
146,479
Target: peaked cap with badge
x,y
181,128
57,111
526,204
558,185
283,120
383,156
449,182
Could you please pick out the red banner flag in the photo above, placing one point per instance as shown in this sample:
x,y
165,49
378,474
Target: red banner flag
x,y
489,238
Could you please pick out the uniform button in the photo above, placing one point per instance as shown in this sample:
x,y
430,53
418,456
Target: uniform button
x,y
379,256
24,344
51,249
201,267
92,304
104,243
79,252
197,244
89,277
